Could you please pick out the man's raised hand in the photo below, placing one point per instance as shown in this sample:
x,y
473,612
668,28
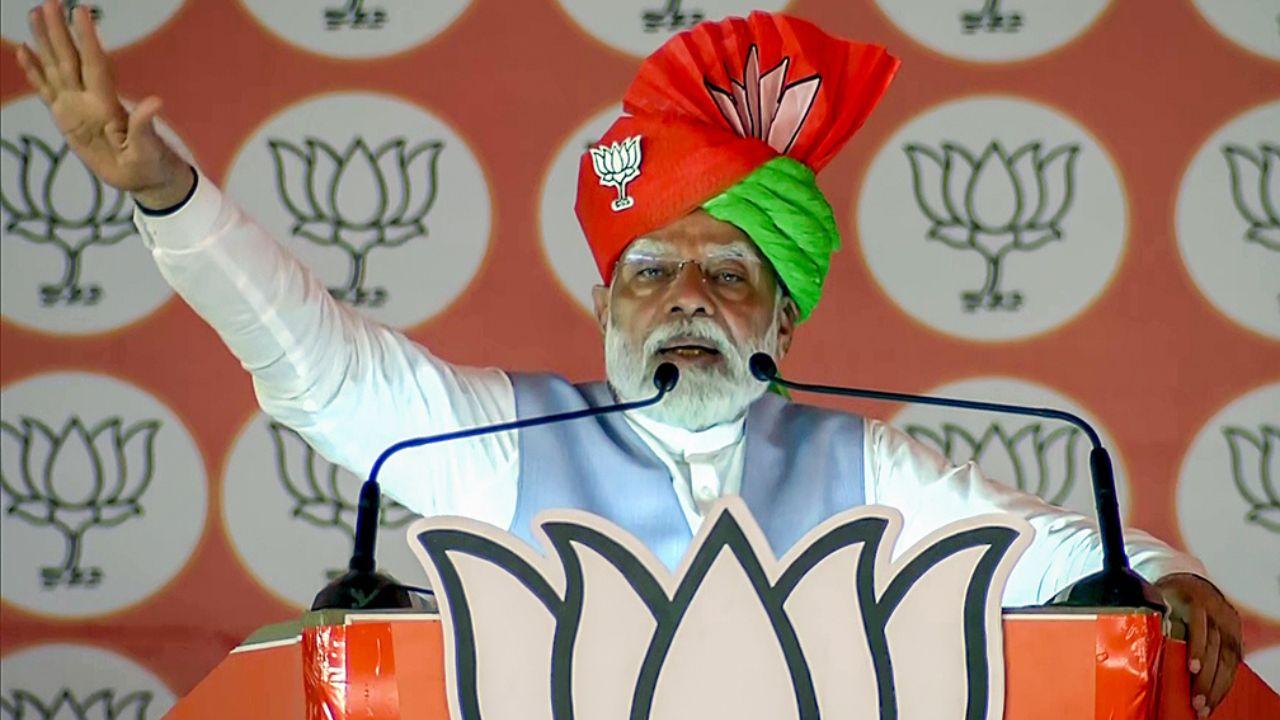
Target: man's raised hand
x,y
75,80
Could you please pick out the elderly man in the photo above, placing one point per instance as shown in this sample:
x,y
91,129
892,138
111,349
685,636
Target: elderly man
x,y
713,242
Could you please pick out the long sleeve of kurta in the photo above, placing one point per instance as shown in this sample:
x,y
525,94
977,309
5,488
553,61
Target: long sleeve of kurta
x,y
349,386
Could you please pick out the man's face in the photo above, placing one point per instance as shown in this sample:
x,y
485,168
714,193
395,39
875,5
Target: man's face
x,y
699,294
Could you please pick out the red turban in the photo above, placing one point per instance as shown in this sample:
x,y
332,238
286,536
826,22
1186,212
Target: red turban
x,y
712,105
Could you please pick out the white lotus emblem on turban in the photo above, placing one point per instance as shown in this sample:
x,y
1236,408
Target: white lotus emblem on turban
x,y
600,628
617,164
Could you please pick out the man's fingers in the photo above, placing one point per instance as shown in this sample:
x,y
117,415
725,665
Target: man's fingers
x,y
1197,638
1203,682
40,36
141,118
1228,659
64,50
30,65
94,65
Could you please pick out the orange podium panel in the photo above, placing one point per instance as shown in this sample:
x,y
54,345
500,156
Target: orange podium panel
x,y
1107,664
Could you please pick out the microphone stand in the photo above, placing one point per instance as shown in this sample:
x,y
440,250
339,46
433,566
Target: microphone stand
x,y
362,587
1116,585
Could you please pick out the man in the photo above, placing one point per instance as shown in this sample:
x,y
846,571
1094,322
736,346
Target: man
x,y
713,242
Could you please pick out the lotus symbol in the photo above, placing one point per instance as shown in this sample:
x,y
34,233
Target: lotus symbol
x,y
75,479
617,164
1255,189
354,15
51,198
324,494
992,204
1255,468
99,705
763,105
990,18
1043,463
601,629
671,18
357,200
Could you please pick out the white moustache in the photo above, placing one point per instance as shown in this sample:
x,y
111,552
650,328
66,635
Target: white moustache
x,y
692,329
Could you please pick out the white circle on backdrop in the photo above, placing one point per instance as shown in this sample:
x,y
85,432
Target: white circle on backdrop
x,y
357,28
120,22
60,680
290,515
959,212
638,27
1229,499
71,261
1228,219
390,182
1252,24
1047,458
563,243
993,30
1266,663
92,457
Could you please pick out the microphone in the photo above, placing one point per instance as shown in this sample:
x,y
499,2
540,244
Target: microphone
x,y
1116,585
362,587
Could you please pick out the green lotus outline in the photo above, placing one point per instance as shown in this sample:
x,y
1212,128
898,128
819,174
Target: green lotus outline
x,y
122,461
354,15
996,20
35,167
671,18
1039,188
98,705
320,496
313,179
1029,448
1255,471
1255,190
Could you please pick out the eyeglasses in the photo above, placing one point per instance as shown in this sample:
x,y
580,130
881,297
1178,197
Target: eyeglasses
x,y
730,276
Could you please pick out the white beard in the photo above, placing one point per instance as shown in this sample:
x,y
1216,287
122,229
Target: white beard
x,y
705,396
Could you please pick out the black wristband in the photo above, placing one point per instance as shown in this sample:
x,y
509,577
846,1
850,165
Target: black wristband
x,y
195,180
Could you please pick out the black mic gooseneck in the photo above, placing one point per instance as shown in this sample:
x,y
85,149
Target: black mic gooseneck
x,y
1116,585
362,587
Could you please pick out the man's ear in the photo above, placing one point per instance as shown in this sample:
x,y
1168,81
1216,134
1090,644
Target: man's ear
x,y
600,298
787,326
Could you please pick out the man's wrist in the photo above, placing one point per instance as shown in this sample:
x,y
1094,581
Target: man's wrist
x,y
170,197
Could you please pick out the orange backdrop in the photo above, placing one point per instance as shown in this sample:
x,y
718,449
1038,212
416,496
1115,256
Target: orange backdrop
x,y
1150,356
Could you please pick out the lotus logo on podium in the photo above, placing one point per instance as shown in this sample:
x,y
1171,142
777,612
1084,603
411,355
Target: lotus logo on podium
x,y
835,628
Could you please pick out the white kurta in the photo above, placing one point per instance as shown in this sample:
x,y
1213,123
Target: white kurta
x,y
352,387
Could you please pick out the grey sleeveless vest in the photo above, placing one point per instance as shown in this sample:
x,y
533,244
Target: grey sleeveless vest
x,y
802,465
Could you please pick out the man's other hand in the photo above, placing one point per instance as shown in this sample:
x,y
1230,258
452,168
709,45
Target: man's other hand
x,y
1211,627
76,80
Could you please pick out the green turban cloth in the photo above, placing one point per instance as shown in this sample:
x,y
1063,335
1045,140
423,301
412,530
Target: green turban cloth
x,y
780,207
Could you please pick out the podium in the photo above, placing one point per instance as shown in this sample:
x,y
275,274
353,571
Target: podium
x,y
1078,664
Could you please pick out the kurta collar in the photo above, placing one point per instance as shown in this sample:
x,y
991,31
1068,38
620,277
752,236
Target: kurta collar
x,y
682,442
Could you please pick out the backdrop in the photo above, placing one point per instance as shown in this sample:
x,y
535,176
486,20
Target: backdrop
x,y
1074,204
